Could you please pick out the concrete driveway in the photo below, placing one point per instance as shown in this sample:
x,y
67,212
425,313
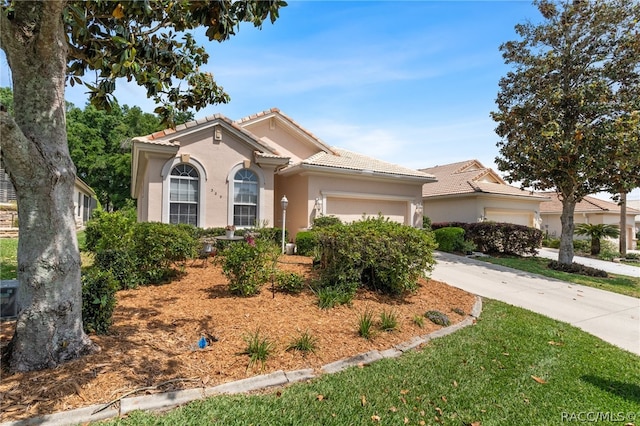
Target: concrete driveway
x,y
613,317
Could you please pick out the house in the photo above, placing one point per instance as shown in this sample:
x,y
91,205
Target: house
x,y
635,204
84,201
469,192
214,171
589,210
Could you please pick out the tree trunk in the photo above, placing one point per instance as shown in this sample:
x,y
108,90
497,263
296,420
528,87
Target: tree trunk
x,y
623,224
565,255
34,147
595,245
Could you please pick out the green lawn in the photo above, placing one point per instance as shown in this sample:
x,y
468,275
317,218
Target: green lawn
x,y
512,367
629,286
8,258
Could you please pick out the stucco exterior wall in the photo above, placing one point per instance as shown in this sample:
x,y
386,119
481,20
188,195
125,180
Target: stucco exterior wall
x,y
551,224
296,189
217,161
475,208
288,144
349,199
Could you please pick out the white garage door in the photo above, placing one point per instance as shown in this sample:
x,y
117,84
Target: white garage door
x,y
351,210
517,217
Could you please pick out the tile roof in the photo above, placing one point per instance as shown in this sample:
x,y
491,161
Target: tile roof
x,y
348,160
469,177
587,205
329,156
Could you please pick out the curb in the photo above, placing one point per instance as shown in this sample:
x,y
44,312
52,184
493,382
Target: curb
x,y
169,400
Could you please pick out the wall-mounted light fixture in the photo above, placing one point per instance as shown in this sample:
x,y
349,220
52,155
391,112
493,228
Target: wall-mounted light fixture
x,y
318,205
419,208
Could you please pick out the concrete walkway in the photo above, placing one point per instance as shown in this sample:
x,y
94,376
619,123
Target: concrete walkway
x,y
611,267
612,317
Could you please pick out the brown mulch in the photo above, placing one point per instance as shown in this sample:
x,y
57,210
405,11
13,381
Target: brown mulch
x,y
155,333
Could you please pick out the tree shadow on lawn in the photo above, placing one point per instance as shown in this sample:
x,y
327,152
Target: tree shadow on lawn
x,y
628,391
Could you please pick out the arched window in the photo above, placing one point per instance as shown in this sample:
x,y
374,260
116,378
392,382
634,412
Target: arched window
x,y
183,194
245,198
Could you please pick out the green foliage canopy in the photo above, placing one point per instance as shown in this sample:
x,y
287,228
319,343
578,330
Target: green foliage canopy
x,y
149,42
574,86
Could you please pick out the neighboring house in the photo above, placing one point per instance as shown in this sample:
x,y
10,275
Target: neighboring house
x,y
469,192
589,210
635,204
84,202
213,172
84,198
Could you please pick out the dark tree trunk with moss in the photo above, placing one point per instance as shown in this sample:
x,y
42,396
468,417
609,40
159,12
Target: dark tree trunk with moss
x,y
34,148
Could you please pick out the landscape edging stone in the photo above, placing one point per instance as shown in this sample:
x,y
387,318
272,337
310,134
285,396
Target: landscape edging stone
x,y
168,400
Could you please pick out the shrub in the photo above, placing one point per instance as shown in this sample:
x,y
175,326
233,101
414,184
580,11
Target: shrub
x,y
109,230
323,221
492,237
450,239
551,243
139,253
576,268
289,282
306,243
438,317
580,246
98,300
608,250
426,223
249,266
123,264
375,253
158,246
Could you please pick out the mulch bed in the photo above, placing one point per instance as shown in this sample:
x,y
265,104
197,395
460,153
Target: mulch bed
x,y
155,333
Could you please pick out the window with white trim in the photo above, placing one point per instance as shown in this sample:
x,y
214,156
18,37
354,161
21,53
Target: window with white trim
x,y
183,194
245,198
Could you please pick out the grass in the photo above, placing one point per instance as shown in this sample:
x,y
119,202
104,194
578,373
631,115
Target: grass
x,y
621,284
512,367
8,258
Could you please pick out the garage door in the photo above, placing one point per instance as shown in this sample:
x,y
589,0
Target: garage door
x,y
351,210
517,217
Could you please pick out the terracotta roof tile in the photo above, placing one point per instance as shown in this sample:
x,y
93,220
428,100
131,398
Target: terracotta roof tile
x,y
348,160
587,205
466,177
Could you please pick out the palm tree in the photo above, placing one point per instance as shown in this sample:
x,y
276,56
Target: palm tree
x,y
596,232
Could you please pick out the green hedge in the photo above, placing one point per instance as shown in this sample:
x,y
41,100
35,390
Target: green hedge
x,y
450,239
494,237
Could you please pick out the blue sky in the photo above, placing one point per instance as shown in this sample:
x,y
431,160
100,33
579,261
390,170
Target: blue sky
x,y
409,82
